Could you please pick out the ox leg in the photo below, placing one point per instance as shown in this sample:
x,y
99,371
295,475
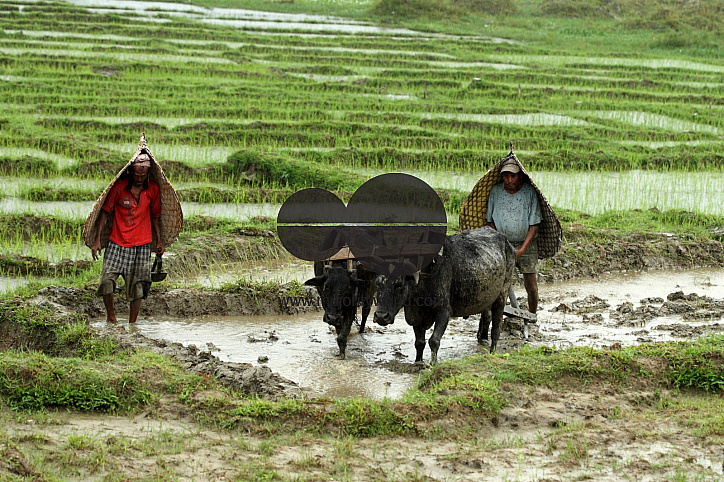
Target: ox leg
x,y
484,326
366,308
497,318
419,342
342,335
441,321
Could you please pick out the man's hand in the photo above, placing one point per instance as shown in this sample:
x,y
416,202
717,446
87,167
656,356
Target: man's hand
x,y
95,249
519,252
160,248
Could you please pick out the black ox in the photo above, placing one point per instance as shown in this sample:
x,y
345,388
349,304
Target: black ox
x,y
471,276
344,284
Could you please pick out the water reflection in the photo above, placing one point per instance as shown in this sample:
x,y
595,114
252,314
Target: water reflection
x,y
656,121
8,283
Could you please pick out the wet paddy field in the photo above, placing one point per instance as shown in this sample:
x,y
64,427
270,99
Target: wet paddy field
x,y
327,94
615,310
620,126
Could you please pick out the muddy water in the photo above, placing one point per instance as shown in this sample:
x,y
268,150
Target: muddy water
x,y
51,252
8,283
565,329
379,362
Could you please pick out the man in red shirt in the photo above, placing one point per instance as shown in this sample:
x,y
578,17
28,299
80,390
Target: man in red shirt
x,y
135,204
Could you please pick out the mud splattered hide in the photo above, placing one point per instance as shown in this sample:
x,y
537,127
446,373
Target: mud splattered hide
x,y
473,274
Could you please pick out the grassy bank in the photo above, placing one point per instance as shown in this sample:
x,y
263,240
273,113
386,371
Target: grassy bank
x,y
456,404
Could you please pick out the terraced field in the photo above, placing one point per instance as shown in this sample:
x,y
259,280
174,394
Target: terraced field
x,y
330,101
615,108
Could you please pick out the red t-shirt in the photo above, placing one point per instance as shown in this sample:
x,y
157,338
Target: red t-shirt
x,y
132,219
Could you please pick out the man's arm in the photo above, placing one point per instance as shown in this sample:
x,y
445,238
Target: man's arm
x,y
532,230
156,227
96,248
492,225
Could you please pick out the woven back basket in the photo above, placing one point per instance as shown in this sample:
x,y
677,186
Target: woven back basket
x,y
171,220
475,208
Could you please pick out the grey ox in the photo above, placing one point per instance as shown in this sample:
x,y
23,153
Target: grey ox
x,y
471,276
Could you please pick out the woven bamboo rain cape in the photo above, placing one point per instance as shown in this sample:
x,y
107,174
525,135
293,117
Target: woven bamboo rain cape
x,y
171,215
475,209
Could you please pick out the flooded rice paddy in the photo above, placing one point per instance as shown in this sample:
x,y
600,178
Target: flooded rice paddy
x,y
379,363
597,192
80,209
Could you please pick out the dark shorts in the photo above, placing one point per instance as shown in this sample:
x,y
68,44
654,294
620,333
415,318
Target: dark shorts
x,y
134,264
528,263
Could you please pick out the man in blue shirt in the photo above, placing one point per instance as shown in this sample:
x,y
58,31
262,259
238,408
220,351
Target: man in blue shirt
x,y
514,210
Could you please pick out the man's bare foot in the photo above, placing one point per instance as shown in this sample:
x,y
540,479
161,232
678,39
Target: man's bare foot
x,y
108,320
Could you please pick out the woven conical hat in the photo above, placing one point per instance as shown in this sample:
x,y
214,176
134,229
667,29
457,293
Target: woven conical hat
x,y
171,215
474,210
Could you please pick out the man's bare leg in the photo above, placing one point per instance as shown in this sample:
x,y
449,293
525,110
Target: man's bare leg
x,y
135,308
110,310
531,287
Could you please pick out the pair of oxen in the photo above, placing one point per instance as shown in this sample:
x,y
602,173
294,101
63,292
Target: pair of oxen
x,y
470,275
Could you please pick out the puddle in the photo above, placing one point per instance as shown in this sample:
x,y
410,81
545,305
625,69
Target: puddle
x,y
347,28
8,283
658,145
280,270
540,119
51,252
155,8
394,97
561,60
473,65
302,347
566,329
328,78
656,121
11,186
192,155
52,33
169,122
120,56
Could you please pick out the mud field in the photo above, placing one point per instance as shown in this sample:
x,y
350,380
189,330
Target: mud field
x,y
570,434
296,350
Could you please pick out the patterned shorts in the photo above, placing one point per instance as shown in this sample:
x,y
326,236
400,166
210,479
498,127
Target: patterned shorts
x,y
134,264
528,263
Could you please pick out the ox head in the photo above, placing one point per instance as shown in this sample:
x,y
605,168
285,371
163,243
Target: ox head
x,y
392,293
338,286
